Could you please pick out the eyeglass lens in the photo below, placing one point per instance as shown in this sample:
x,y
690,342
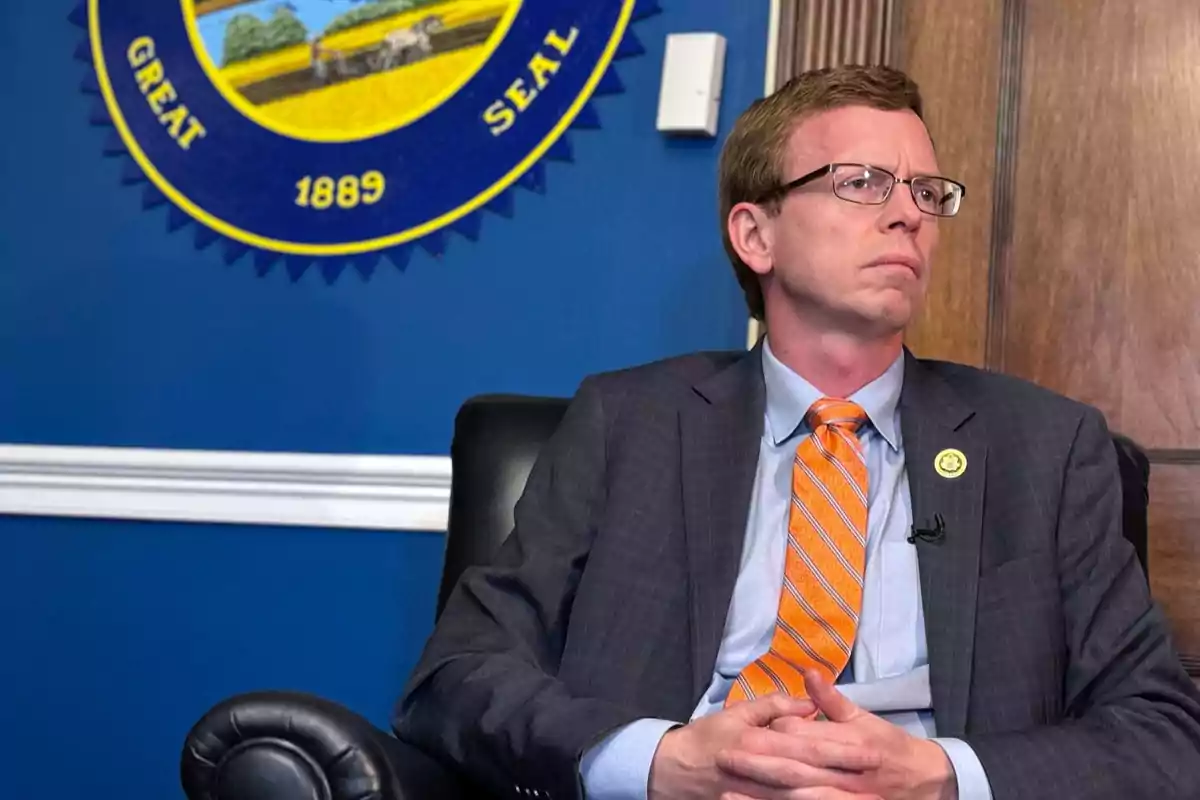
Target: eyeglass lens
x,y
871,186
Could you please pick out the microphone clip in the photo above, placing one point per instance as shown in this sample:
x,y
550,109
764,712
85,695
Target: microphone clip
x,y
933,535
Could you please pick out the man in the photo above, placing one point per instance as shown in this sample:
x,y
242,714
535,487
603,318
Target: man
x,y
823,568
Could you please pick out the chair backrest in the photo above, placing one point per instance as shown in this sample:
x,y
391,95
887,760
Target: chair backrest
x,y
497,439
1135,490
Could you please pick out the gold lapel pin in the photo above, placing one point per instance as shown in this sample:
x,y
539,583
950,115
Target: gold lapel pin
x,y
950,463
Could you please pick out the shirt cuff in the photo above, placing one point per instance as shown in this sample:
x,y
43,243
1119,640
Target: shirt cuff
x,y
972,780
618,768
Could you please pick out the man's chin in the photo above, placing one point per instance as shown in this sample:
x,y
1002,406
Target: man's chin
x,y
876,316
887,314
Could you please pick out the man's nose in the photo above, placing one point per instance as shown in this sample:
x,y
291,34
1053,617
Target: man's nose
x,y
900,209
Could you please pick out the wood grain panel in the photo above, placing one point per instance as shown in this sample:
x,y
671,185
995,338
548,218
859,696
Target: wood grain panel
x,y
1062,318
1174,552
1161,353
954,57
1100,299
847,32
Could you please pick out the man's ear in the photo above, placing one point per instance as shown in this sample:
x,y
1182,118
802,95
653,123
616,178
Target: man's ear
x,y
752,234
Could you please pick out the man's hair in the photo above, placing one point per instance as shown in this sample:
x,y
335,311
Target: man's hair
x,y
752,159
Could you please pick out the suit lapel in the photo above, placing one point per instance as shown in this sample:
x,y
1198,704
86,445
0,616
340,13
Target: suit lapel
x,y
720,428
934,419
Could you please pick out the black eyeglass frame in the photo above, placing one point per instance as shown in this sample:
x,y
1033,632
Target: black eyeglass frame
x,y
783,189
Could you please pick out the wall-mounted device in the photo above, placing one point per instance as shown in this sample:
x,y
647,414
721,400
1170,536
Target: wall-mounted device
x,y
689,100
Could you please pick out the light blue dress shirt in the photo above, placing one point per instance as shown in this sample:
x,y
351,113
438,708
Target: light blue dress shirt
x,y
888,673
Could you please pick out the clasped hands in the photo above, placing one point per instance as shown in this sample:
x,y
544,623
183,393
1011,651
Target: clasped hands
x,y
781,748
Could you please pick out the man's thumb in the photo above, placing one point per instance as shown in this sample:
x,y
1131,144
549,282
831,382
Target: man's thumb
x,y
833,704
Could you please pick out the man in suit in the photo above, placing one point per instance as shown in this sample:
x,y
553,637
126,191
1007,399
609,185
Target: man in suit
x,y
823,568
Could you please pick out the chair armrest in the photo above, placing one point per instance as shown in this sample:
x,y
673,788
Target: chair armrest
x,y
294,746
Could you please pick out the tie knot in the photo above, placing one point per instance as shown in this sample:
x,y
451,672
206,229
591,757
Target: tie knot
x,y
837,413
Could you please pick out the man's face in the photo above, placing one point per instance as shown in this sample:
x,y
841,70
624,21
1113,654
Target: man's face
x,y
859,269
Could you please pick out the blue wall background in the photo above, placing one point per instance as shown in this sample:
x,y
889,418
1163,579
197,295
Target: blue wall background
x,y
118,635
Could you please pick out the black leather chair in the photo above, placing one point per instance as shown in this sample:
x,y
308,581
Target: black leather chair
x,y
295,746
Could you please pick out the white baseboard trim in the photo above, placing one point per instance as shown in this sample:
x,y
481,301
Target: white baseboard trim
x,y
306,489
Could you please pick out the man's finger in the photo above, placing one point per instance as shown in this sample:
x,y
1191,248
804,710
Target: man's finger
x,y
827,793
820,731
832,703
761,711
810,793
779,772
790,725
815,751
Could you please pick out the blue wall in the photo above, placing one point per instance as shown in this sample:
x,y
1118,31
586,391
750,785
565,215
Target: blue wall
x,y
118,635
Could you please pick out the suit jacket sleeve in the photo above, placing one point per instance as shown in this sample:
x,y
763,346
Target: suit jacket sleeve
x,y
484,696
1132,725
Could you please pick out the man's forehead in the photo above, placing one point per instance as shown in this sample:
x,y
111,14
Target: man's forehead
x,y
861,133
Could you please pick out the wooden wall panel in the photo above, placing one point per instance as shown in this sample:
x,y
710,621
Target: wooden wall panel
x,y
955,58
1098,298
1174,555
1062,292
819,33
1161,355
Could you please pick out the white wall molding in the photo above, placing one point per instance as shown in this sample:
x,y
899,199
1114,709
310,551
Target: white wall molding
x,y
340,491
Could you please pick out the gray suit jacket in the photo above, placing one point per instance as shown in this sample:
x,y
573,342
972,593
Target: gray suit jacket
x,y
608,602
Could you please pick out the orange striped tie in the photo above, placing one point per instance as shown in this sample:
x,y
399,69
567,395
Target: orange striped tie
x,y
821,596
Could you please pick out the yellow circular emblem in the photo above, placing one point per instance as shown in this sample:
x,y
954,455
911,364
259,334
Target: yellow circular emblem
x,y
950,463
343,129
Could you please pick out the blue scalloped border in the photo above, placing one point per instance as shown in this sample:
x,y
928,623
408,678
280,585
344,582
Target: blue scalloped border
x,y
332,267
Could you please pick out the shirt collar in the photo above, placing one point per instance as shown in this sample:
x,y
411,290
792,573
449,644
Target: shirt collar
x,y
789,397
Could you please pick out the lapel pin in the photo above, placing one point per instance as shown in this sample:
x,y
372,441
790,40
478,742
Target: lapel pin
x,y
950,463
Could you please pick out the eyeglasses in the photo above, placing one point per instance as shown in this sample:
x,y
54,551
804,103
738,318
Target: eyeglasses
x,y
872,186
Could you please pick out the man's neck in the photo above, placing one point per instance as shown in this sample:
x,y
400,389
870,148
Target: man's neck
x,y
837,364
